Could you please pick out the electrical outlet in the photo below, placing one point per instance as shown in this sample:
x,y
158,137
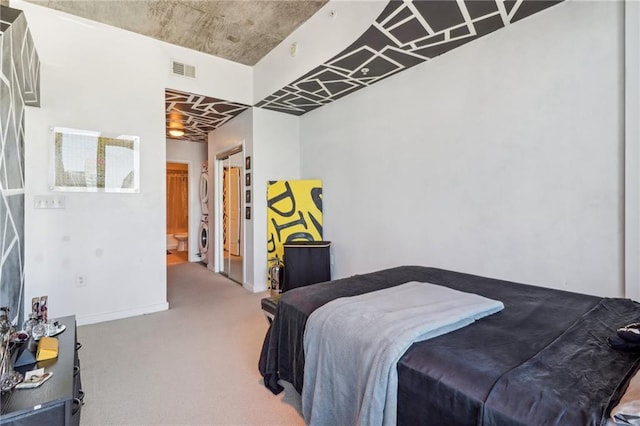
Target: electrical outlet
x,y
81,280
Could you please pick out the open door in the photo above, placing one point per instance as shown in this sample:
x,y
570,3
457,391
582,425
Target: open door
x,y
231,169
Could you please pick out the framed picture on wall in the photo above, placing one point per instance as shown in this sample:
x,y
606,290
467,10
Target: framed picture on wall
x,y
247,213
91,161
247,163
247,179
247,198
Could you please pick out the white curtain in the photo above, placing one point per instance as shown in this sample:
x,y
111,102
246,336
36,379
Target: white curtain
x,y
177,201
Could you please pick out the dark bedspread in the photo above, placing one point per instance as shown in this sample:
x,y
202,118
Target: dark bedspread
x,y
542,360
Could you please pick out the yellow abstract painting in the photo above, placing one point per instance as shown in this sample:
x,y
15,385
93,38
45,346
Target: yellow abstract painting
x,y
294,213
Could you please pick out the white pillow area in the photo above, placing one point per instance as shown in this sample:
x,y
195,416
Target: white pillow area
x,y
627,412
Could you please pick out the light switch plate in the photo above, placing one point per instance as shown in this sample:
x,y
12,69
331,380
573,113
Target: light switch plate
x,y
48,202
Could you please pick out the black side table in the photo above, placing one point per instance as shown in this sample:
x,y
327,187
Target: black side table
x,y
59,400
269,306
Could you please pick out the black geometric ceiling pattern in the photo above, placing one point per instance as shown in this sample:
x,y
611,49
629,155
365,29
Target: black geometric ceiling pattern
x,y
405,34
196,115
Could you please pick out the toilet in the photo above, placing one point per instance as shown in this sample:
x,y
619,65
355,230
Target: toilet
x,y
182,241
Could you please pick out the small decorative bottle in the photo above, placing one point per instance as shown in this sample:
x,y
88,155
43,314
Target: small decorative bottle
x,y
39,329
29,324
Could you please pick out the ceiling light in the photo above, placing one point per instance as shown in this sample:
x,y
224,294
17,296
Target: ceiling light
x,y
176,132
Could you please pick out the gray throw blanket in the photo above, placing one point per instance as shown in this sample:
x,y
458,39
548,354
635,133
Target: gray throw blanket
x,y
352,346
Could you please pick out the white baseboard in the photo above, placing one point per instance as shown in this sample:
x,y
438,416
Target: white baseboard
x,y
253,288
110,316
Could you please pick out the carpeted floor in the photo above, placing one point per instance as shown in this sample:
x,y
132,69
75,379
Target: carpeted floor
x,y
193,364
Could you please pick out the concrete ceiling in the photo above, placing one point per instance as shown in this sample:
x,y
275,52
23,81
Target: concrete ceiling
x,y
239,30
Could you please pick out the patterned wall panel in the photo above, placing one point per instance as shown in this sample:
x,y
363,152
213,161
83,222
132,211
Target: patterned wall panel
x,y
197,115
405,34
19,86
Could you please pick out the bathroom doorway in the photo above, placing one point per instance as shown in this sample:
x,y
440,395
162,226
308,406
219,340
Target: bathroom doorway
x,y
177,213
230,246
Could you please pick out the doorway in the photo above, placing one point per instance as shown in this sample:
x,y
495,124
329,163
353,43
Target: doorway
x,y
230,245
177,213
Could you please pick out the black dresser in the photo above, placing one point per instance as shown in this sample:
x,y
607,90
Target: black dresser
x,y
58,401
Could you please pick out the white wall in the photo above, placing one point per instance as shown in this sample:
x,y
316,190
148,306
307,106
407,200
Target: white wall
x,y
632,152
195,155
502,158
276,150
100,78
236,132
272,141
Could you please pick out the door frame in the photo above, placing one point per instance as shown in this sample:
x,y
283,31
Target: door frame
x,y
191,230
218,242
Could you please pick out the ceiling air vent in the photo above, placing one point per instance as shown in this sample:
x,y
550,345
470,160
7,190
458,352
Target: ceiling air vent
x,y
184,70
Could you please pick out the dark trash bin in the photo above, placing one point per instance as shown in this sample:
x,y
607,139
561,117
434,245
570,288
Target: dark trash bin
x,y
306,262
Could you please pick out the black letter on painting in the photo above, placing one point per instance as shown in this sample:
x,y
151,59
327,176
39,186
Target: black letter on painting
x,y
279,228
286,194
316,196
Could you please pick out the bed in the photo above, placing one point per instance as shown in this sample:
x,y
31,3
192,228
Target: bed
x,y
542,360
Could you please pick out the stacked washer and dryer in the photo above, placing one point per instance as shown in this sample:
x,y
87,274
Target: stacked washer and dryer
x,y
203,231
